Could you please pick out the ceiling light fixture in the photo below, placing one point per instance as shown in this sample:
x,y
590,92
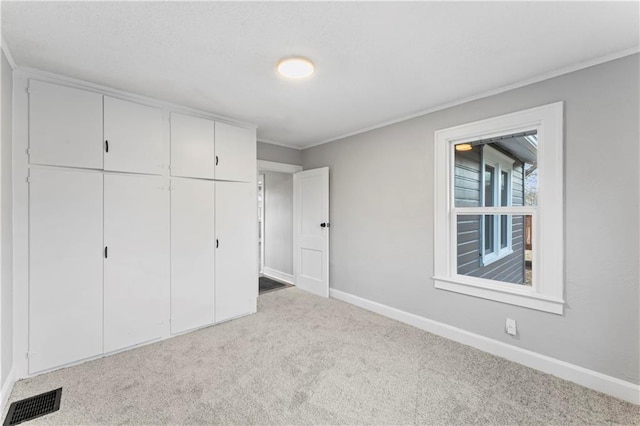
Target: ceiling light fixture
x,y
296,68
464,147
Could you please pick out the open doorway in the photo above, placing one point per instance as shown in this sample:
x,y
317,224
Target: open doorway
x,y
275,218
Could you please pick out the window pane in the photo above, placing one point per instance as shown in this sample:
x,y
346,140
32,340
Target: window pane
x,y
489,172
488,234
476,170
523,150
530,185
504,189
468,243
473,259
528,249
468,176
503,231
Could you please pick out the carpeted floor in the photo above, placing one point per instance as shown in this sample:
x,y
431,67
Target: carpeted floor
x,y
303,359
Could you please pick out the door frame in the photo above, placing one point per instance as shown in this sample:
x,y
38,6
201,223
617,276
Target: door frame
x,y
273,166
260,223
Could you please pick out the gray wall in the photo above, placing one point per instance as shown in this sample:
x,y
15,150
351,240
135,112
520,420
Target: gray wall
x,y
278,221
6,223
382,209
279,154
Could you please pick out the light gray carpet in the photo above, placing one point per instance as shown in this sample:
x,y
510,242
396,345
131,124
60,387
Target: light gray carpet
x,y
303,359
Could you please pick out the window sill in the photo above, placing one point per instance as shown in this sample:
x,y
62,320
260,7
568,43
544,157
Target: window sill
x,y
500,292
489,259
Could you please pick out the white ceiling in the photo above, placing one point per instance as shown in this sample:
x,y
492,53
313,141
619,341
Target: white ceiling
x,y
376,62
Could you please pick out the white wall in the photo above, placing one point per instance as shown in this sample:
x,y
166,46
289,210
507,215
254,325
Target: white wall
x,y
6,224
382,209
279,154
278,222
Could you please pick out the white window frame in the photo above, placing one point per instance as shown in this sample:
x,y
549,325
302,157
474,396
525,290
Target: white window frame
x,y
501,163
547,290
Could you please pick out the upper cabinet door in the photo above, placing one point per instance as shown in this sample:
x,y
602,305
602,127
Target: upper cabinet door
x,y
192,153
235,153
133,137
65,126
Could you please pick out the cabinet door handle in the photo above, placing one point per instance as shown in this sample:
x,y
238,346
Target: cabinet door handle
x,y
216,160
325,225
106,146
106,252
217,243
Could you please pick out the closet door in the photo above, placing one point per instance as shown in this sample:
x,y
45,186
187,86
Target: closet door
x,y
192,153
236,260
136,264
235,153
65,126
192,253
133,137
65,267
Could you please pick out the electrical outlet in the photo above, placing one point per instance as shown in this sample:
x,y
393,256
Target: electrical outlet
x,y
510,327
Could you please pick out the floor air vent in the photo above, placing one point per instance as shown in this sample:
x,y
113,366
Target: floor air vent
x,y
33,407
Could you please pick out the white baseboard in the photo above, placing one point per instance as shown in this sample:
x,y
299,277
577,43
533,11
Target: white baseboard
x,y
277,275
588,378
5,392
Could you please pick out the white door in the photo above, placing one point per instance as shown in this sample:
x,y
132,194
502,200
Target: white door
x,y
133,138
236,260
311,230
65,267
192,147
192,253
65,126
235,153
136,263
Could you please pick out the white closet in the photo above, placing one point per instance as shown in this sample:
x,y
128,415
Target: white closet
x,y
136,264
236,223
235,153
219,285
65,126
133,138
65,256
202,148
135,233
192,146
192,254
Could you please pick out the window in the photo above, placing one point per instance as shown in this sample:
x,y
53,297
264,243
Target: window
x,y
499,209
496,236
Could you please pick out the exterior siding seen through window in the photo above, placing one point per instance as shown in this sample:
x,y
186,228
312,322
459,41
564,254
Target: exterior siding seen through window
x,y
468,193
